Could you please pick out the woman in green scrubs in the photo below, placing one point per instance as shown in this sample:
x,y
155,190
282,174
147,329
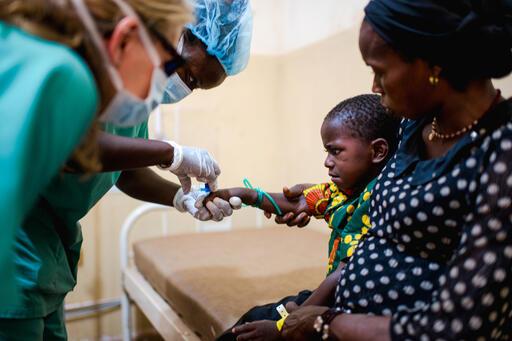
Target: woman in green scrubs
x,y
44,118
49,95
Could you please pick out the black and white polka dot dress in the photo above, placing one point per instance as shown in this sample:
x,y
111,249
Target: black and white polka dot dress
x,y
439,256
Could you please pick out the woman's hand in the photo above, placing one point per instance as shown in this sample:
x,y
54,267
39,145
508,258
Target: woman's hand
x,y
298,325
293,194
264,330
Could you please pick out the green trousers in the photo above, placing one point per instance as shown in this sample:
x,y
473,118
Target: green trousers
x,y
51,327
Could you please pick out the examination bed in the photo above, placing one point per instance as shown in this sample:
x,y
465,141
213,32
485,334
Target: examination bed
x,y
194,286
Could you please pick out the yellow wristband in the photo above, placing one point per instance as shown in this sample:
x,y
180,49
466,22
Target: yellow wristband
x,y
284,314
280,323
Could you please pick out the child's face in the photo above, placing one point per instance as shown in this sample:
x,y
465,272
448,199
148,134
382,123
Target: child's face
x,y
349,159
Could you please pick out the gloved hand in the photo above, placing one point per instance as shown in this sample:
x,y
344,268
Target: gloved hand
x,y
218,207
193,162
191,202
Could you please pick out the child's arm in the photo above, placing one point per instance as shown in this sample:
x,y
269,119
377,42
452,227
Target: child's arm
x,y
324,294
250,197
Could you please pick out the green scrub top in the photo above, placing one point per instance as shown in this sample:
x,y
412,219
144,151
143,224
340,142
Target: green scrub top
x,y
48,99
47,247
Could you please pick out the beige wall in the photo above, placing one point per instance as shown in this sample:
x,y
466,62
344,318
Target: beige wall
x,y
314,80
263,124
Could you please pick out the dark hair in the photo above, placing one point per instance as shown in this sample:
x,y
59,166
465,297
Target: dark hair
x,y
468,39
367,119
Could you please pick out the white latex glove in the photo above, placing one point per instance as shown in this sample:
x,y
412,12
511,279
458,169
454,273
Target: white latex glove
x,y
192,203
190,162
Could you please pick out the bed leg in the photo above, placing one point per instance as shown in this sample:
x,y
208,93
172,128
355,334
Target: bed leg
x,y
126,317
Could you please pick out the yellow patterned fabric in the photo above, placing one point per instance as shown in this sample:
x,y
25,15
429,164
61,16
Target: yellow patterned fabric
x,y
347,216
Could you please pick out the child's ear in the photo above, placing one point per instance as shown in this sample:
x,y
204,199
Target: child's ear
x,y
380,150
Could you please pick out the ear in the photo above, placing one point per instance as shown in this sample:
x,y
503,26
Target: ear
x,y
123,32
380,150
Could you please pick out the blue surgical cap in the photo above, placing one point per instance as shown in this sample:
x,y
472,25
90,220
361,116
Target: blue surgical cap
x,y
225,27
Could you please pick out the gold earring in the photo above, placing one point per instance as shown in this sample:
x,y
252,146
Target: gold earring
x,y
433,80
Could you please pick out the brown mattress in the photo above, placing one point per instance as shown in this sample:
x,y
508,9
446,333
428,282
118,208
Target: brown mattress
x,y
211,279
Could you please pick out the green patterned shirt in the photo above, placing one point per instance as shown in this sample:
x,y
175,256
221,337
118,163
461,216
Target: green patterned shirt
x,y
347,217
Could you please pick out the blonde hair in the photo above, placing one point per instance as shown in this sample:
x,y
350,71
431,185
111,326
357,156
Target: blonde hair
x,y
56,20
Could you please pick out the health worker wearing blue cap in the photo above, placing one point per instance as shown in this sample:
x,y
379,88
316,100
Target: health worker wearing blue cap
x,y
215,46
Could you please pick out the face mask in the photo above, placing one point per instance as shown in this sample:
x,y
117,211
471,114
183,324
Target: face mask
x,y
175,90
126,109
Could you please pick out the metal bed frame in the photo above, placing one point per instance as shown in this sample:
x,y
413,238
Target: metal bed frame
x,y
136,290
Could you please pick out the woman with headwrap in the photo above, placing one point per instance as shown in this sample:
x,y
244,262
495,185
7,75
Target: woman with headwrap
x,y
436,263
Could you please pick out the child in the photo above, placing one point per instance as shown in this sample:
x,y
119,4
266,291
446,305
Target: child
x,y
359,137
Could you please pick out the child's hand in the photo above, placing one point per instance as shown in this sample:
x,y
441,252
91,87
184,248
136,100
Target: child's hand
x,y
223,194
294,192
220,204
302,207
299,218
264,330
291,307
300,215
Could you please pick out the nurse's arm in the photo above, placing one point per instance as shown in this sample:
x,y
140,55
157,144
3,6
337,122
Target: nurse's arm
x,y
144,184
122,153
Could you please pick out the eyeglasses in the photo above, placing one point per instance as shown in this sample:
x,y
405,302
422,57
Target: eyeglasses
x,y
176,61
